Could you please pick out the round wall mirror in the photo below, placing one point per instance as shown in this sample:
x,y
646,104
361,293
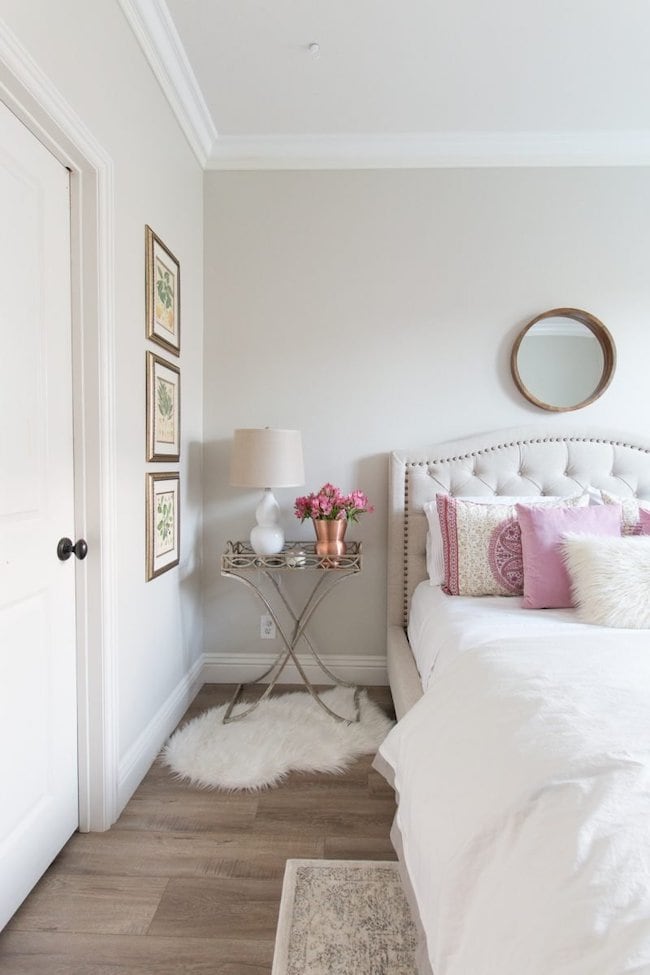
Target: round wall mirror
x,y
563,359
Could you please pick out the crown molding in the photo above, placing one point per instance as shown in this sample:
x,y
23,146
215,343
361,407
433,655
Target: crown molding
x,y
431,150
154,28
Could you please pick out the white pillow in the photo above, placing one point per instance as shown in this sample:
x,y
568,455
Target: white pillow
x,y
434,547
610,579
595,495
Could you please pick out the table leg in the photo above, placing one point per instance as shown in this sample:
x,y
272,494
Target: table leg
x,y
301,621
313,601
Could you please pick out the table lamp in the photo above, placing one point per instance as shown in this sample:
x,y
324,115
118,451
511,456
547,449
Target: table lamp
x,y
266,459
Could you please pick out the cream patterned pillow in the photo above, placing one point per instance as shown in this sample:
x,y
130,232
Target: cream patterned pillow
x,y
630,508
434,547
610,579
482,545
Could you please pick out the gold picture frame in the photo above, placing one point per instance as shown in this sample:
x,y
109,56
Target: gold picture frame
x,y
163,294
163,409
163,522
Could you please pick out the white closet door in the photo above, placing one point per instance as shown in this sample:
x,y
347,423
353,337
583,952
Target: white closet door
x,y
38,705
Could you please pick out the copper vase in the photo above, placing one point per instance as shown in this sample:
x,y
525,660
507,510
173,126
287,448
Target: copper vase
x,y
330,544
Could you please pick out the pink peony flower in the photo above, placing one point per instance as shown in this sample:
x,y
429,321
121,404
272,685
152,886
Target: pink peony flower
x,y
331,504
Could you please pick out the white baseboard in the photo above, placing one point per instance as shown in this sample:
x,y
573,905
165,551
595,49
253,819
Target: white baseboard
x,y
138,759
239,668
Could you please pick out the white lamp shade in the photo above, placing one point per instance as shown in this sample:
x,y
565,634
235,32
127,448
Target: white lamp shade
x,y
267,458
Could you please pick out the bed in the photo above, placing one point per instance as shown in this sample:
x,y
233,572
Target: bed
x,y
521,759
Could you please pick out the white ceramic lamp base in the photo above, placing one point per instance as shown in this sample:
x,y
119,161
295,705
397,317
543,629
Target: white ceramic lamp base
x,y
267,537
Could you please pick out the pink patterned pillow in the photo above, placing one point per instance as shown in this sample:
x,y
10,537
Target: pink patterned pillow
x,y
644,521
546,580
482,546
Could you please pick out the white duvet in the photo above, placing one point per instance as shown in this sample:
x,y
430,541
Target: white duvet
x,y
524,806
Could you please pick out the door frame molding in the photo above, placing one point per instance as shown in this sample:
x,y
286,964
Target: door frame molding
x,y
27,91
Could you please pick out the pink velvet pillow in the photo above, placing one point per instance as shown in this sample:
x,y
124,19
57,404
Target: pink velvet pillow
x,y
546,581
644,521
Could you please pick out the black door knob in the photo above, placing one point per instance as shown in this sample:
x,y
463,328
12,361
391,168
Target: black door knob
x,y
65,549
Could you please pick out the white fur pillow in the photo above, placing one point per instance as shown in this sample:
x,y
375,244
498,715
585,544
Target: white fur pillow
x,y
610,579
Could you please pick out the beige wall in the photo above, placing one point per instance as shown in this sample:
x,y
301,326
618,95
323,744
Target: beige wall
x,y
376,310
88,51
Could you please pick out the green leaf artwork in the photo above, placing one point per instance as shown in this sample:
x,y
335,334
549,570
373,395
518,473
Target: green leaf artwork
x,y
165,514
165,400
164,287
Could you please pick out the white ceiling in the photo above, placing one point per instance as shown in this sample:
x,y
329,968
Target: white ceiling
x,y
418,77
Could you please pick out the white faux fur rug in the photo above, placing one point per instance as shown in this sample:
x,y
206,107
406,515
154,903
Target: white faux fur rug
x,y
286,733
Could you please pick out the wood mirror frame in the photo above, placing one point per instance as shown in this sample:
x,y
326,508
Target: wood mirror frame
x,y
606,344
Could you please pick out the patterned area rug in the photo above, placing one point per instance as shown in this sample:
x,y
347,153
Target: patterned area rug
x,y
344,917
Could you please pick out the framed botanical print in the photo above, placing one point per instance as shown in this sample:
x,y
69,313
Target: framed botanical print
x,y
163,522
163,409
163,294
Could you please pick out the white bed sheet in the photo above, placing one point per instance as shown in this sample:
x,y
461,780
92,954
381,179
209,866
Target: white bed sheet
x,y
523,776
441,627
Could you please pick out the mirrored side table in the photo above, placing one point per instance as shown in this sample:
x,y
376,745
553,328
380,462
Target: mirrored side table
x,y
263,574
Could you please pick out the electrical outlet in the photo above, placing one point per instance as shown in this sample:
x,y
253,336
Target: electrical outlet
x,y
267,627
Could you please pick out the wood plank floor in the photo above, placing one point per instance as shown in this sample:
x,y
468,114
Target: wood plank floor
x,y
188,882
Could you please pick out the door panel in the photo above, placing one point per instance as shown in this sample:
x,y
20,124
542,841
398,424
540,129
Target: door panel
x,y
39,808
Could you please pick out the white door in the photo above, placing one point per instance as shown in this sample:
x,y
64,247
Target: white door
x,y
38,707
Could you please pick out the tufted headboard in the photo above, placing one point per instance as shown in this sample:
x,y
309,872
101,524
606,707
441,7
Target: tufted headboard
x,y
519,461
